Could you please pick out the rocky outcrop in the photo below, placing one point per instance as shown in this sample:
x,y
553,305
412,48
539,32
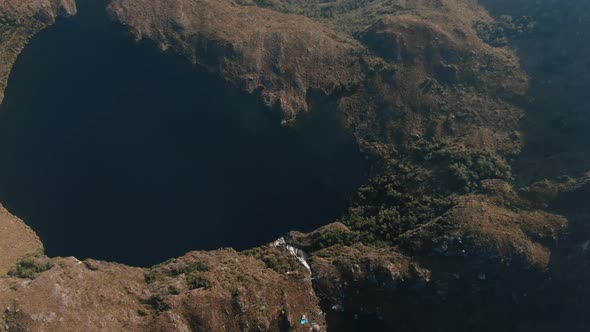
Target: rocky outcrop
x,y
280,56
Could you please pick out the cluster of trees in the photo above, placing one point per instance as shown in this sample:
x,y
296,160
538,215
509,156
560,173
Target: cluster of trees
x,y
410,193
394,203
333,237
6,22
457,170
466,169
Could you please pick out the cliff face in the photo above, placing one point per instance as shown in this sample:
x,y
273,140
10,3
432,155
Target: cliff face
x,y
443,237
415,69
283,56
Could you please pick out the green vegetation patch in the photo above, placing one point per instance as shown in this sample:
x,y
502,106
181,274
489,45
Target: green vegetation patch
x,y
393,203
466,169
150,276
274,259
157,304
417,188
9,20
334,237
30,266
197,280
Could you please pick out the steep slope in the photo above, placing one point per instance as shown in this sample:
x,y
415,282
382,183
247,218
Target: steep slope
x,y
414,71
282,56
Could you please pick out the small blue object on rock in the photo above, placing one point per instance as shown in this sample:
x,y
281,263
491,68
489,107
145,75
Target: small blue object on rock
x,y
303,320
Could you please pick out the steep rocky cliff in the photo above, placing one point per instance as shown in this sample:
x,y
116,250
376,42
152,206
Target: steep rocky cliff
x,y
415,69
443,237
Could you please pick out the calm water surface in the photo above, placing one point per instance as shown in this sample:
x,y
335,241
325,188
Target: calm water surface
x,y
114,150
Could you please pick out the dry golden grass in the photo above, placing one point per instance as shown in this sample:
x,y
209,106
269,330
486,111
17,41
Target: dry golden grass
x,y
16,240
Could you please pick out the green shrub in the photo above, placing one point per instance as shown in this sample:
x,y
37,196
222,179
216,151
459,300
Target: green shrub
x,y
29,267
458,171
157,303
332,238
196,280
149,277
255,252
280,262
467,169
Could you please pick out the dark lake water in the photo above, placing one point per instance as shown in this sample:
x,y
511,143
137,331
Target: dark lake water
x,y
114,150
